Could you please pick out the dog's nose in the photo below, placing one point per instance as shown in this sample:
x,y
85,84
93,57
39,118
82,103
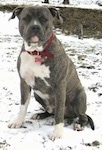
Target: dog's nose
x,y
35,28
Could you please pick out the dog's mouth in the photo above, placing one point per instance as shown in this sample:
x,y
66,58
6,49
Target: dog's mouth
x,y
35,39
33,42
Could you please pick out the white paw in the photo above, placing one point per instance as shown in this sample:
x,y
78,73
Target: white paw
x,y
16,123
58,132
78,127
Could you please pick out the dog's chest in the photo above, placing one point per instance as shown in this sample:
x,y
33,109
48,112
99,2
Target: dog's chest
x,y
29,69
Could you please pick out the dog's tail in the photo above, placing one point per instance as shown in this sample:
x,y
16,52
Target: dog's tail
x,y
91,122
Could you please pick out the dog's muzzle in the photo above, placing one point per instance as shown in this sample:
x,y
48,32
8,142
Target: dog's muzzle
x,y
34,34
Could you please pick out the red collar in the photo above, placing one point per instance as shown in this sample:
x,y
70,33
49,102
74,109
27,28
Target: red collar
x,y
44,53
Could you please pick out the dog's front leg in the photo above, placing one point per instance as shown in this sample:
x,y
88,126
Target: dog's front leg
x,y
25,97
59,110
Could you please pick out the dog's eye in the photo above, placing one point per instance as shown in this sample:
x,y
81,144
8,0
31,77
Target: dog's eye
x,y
43,19
27,19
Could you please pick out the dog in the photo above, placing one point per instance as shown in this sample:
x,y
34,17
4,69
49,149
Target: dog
x,y
44,67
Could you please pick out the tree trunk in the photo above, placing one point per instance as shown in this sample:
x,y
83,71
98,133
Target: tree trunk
x,y
46,1
66,2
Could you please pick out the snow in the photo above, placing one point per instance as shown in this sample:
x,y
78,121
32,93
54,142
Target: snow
x,y
34,135
73,3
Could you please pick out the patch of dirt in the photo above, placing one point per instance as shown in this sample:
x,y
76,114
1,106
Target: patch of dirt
x,y
94,143
83,22
3,145
80,21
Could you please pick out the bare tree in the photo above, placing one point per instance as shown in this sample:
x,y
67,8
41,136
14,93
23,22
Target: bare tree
x,y
66,2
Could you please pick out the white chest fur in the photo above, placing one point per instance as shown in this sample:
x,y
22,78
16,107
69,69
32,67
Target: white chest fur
x,y
29,69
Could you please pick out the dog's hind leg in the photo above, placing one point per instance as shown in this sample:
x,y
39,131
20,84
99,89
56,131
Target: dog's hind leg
x,y
25,97
84,120
79,108
81,123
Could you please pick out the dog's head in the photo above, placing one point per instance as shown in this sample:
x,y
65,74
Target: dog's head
x,y
35,23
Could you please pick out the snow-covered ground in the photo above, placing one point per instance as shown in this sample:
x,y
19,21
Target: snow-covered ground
x,y
87,2
81,3
87,56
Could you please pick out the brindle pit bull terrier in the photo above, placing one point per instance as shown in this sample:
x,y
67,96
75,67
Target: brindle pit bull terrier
x,y
44,67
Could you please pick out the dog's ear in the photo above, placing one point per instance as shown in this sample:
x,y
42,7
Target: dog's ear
x,y
16,12
56,14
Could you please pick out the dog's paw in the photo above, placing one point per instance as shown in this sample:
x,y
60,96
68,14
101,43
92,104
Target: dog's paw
x,y
78,127
15,124
58,132
35,117
40,116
